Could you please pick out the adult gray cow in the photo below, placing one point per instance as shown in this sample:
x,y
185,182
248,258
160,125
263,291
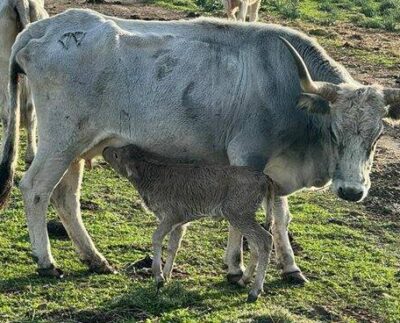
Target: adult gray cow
x,y
204,89
14,16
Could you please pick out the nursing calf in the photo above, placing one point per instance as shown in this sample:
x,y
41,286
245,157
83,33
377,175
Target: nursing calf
x,y
179,193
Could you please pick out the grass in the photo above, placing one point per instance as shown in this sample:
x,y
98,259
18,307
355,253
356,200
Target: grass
x,y
350,258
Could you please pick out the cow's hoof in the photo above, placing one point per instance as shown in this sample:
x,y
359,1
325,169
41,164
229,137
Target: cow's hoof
x,y
160,284
234,278
52,271
295,278
253,296
104,269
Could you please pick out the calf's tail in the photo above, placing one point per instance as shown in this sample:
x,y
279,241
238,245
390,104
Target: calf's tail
x,y
10,145
269,199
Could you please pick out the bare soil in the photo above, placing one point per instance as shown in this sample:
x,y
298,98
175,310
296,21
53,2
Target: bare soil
x,y
124,9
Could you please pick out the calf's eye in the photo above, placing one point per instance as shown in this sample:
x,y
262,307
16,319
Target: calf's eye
x,y
115,155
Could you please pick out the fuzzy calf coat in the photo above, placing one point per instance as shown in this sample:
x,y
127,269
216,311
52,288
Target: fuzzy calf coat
x,y
180,192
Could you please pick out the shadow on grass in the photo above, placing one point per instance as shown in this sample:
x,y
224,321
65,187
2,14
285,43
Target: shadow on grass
x,y
140,303
19,283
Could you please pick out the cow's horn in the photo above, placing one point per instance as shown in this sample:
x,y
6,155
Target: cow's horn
x,y
391,96
324,89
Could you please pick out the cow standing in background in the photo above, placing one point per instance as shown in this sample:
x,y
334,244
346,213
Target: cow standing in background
x,y
99,81
242,7
15,15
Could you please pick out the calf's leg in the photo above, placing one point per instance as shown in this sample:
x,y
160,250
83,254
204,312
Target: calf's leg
x,y
174,244
65,198
166,225
238,156
260,242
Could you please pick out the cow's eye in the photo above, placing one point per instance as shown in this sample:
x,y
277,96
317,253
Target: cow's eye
x,y
333,136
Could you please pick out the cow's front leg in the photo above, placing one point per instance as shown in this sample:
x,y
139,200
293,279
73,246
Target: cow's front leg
x,y
65,198
234,255
285,256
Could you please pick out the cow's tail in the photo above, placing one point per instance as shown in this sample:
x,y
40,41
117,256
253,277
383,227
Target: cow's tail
x,y
10,145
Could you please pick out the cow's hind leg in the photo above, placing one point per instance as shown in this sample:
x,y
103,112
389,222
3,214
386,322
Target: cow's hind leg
x,y
234,255
65,198
284,252
37,185
174,244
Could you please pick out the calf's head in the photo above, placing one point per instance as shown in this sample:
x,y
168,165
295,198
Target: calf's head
x,y
356,114
123,160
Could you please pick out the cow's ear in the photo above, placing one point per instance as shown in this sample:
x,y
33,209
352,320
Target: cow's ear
x,y
313,103
393,111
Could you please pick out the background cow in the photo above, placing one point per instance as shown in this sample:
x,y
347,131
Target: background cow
x,y
163,86
14,16
242,8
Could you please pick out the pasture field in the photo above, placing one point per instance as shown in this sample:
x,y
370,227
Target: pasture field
x,y
349,252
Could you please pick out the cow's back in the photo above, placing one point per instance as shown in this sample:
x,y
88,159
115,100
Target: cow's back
x,y
185,87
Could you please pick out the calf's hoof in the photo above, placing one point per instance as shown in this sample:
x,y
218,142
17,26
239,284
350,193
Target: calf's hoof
x,y
52,271
103,268
253,296
295,277
234,278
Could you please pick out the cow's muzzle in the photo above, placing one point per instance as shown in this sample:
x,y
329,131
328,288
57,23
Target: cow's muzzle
x,y
350,194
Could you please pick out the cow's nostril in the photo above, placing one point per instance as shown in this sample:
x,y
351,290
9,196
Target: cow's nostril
x,y
350,194
340,193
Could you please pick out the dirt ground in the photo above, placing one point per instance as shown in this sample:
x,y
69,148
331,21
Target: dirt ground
x,y
384,197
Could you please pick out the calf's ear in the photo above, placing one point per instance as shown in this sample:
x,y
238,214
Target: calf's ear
x,y
394,111
313,103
